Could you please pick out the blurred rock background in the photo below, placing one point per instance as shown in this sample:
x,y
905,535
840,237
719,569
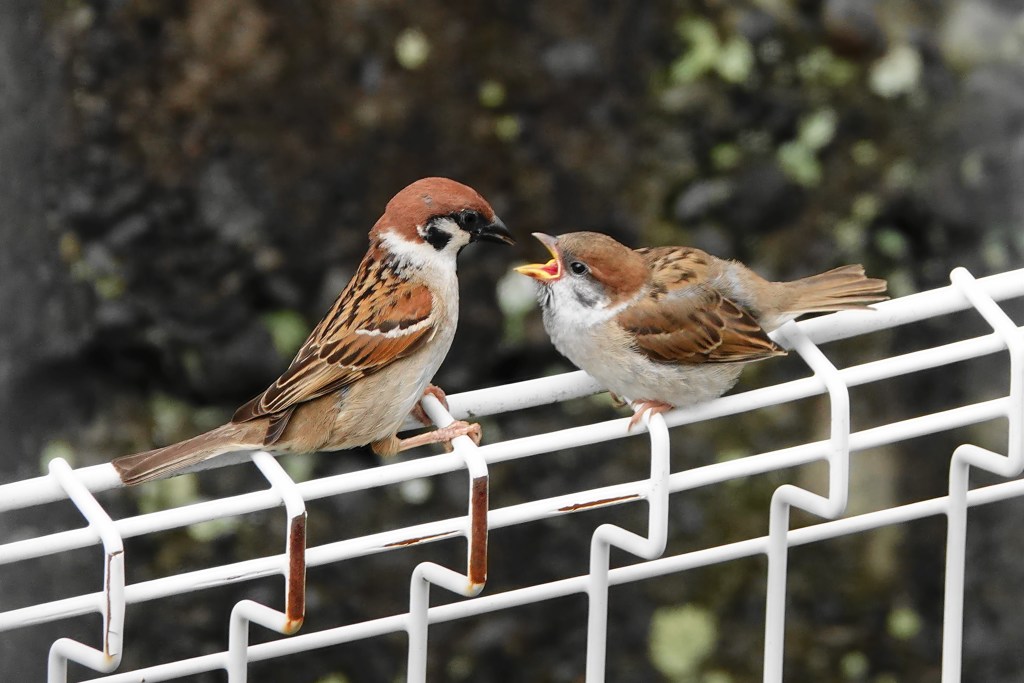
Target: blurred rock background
x,y
185,187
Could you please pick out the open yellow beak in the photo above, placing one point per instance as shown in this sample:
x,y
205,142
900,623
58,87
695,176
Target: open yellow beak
x,y
547,272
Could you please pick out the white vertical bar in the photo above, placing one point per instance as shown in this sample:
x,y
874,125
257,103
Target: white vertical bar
x,y
475,530
788,496
425,574
295,539
242,613
597,598
245,611
113,605
967,456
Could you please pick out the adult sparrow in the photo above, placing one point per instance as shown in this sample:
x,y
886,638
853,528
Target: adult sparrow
x,y
367,364
673,326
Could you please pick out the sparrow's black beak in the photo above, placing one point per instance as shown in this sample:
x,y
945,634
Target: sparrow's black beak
x,y
495,231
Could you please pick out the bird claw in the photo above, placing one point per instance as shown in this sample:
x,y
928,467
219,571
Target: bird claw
x,y
650,407
461,428
617,401
438,393
443,436
419,414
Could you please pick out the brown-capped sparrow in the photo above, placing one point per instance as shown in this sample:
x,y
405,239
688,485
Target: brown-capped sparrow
x,y
669,327
367,364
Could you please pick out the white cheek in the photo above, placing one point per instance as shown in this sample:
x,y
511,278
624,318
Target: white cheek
x,y
421,255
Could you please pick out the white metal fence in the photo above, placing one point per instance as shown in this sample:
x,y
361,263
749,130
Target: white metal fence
x,y
116,597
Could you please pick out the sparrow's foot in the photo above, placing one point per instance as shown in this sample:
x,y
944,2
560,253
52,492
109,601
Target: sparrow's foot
x,y
644,406
617,401
443,435
432,390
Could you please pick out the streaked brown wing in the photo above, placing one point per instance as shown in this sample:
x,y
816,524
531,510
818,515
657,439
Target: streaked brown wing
x,y
377,320
694,325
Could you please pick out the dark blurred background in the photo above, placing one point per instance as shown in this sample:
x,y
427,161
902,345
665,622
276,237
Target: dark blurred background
x,y
185,187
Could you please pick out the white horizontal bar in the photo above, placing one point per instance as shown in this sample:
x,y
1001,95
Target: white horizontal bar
x,y
28,492
909,309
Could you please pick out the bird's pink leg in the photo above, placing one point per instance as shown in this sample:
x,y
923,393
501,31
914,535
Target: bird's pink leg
x,y
431,390
617,400
642,406
443,435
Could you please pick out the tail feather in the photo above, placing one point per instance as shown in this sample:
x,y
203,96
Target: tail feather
x,y
840,289
163,462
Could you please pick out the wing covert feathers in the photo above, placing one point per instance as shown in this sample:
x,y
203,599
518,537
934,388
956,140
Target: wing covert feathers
x,y
698,327
379,318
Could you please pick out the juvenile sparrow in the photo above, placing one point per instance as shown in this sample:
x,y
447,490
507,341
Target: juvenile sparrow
x,y
367,364
673,326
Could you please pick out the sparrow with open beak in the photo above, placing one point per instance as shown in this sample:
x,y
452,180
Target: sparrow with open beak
x,y
367,364
669,327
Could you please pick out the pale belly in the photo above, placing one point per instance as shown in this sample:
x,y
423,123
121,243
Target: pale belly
x,y
678,385
375,410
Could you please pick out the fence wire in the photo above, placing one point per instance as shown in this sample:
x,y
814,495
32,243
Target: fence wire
x,y
116,596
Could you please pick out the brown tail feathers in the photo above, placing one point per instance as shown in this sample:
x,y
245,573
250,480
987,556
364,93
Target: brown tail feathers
x,y
161,462
840,289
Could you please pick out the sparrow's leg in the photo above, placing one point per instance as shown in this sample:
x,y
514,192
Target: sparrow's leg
x,y
644,406
443,435
617,400
421,415
431,390
392,444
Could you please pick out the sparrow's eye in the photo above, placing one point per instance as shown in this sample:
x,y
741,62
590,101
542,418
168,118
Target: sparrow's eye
x,y
578,268
469,219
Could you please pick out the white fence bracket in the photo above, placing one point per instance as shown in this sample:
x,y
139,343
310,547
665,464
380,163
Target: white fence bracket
x,y
476,531
112,603
967,456
245,611
788,496
608,535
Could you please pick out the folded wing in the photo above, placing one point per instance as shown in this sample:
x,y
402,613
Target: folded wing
x,y
682,319
377,320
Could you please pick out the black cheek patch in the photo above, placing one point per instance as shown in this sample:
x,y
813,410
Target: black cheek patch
x,y
586,299
438,239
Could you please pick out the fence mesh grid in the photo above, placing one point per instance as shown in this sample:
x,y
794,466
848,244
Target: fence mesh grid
x,y
111,601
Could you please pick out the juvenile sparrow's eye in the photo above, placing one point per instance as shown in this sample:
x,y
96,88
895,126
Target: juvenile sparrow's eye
x,y
578,268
